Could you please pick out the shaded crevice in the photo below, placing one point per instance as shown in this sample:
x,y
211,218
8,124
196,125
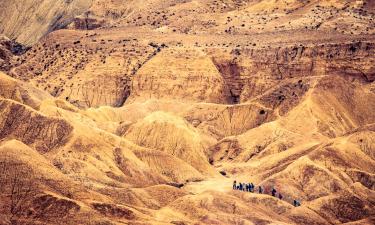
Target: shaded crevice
x,y
125,96
233,82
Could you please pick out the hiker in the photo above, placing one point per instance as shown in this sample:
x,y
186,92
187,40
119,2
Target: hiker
x,y
260,190
241,186
280,196
234,185
252,187
273,192
296,203
247,187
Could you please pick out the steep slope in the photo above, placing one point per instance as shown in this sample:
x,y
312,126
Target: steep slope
x,y
28,21
192,72
180,139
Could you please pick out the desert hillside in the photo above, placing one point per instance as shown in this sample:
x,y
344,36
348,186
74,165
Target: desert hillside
x,y
146,112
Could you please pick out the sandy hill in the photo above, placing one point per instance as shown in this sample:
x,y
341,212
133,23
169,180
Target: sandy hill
x,y
145,112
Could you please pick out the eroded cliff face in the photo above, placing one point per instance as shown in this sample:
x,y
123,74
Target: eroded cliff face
x,y
250,72
44,134
95,70
89,71
28,21
191,75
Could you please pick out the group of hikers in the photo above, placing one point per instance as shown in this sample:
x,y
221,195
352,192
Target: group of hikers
x,y
250,187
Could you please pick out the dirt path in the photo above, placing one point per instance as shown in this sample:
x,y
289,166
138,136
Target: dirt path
x,y
215,184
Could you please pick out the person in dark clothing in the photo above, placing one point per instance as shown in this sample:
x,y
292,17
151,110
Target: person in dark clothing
x,y
260,190
252,187
296,203
234,185
241,186
273,192
280,196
